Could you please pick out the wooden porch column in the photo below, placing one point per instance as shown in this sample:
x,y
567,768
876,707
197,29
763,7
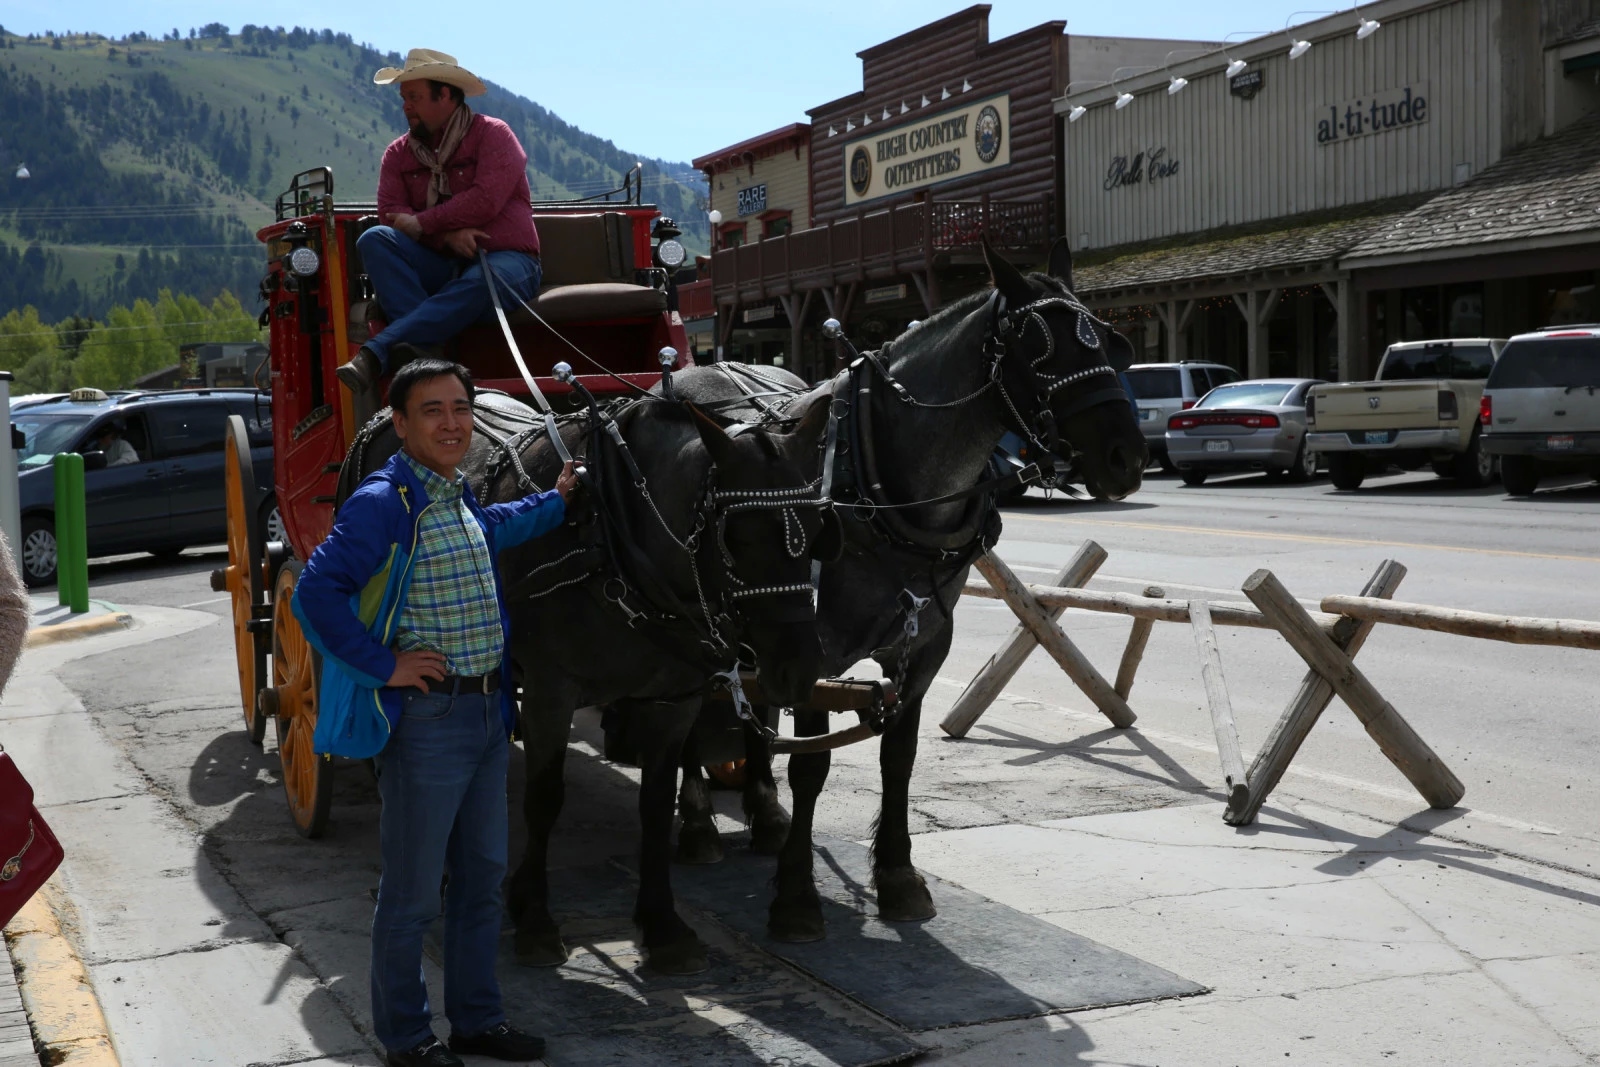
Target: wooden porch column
x,y
1175,316
1341,294
1256,307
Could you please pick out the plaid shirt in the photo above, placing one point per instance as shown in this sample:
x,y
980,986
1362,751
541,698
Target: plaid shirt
x,y
452,606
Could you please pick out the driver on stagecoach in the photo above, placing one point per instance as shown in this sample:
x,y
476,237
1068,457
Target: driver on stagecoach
x,y
455,184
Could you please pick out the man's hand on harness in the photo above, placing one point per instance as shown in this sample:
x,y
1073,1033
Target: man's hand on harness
x,y
414,669
465,242
567,482
407,224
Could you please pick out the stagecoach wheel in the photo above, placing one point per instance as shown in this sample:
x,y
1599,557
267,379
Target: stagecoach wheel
x,y
243,575
728,775
307,777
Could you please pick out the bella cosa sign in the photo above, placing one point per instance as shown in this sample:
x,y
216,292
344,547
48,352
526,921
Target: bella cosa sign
x,y
925,151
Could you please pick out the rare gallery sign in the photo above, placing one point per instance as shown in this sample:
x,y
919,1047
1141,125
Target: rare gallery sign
x,y
938,148
1391,109
752,198
1148,167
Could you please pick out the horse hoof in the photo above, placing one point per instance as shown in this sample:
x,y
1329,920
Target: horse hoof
x,y
699,845
796,925
768,838
542,949
903,897
680,957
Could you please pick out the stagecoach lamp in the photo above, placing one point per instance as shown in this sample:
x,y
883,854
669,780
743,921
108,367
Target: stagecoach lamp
x,y
671,253
1299,49
1236,68
1367,29
1176,85
1076,113
1123,100
832,330
302,262
562,372
667,357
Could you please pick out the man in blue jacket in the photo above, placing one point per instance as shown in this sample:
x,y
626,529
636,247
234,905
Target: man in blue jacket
x,y
404,602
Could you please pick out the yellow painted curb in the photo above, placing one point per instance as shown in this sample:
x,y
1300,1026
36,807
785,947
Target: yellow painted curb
x,y
70,631
68,1025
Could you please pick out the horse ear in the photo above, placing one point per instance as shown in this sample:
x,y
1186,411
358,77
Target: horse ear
x,y
1008,279
1061,261
814,422
718,444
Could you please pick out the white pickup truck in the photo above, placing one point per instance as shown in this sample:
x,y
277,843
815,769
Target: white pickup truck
x,y
1423,408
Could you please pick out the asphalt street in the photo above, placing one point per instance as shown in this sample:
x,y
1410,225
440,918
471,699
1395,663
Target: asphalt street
x,y
1517,724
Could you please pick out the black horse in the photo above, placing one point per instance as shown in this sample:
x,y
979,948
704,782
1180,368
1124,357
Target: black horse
x,y
917,422
686,551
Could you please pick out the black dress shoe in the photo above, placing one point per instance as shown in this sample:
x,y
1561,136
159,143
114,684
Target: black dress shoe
x,y
431,1053
503,1042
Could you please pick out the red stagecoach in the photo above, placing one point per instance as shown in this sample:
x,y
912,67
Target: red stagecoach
x,y
607,287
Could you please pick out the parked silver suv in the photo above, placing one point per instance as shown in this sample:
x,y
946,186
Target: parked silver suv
x,y
1541,406
1164,389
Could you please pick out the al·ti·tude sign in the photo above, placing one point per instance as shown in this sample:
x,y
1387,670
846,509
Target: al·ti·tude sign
x,y
752,198
959,143
1391,109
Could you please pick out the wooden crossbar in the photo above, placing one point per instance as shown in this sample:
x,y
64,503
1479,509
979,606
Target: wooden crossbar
x,y
1223,612
1516,629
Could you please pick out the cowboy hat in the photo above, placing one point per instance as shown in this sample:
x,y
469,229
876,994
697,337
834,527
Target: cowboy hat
x,y
434,66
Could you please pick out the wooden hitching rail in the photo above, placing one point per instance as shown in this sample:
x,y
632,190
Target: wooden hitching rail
x,y
1328,641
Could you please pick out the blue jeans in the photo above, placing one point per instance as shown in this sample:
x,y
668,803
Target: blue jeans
x,y
442,778
430,297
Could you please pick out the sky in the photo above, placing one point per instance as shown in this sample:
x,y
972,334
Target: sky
x,y
672,81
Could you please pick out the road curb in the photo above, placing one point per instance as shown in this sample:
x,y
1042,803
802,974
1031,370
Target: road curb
x,y
72,631
68,1025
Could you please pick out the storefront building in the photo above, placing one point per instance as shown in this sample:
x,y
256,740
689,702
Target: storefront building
x,y
951,138
1411,169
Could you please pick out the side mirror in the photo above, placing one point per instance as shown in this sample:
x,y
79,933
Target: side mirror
x,y
94,461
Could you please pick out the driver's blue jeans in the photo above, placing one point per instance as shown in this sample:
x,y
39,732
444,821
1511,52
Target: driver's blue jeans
x,y
429,296
442,779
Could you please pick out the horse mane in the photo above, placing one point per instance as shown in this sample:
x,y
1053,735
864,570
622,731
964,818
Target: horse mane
x,y
948,316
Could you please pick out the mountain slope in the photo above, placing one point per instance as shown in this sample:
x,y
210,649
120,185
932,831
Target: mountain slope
x,y
152,162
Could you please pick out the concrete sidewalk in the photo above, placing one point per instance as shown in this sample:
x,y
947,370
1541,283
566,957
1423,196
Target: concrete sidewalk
x,y
53,621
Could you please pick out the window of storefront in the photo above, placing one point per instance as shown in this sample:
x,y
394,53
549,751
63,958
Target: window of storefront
x,y
1419,313
1464,310
1565,299
732,235
776,223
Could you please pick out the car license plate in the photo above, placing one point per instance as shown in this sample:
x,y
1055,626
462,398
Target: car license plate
x,y
1558,442
1146,414
1377,437
1218,446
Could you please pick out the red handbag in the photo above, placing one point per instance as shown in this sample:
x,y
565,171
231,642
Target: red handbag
x,y
29,852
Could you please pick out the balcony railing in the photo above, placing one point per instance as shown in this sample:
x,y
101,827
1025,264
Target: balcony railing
x,y
695,300
904,238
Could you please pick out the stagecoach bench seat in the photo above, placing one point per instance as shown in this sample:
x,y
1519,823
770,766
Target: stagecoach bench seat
x,y
595,302
590,247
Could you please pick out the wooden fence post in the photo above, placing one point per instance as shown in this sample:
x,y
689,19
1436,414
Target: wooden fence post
x,y
988,682
1036,617
1395,737
1138,637
1222,724
1314,695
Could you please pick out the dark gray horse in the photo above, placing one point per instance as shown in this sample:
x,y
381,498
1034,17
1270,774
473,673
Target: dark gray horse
x,y
685,547
1020,358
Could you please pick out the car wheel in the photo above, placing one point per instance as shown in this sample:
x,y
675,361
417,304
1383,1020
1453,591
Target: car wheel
x,y
1474,467
1193,477
1304,467
272,528
1347,469
38,551
1520,474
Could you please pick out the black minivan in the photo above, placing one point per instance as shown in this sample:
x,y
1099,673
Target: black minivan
x,y
152,469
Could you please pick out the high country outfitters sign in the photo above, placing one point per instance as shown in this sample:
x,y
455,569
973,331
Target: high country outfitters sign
x,y
1391,109
951,144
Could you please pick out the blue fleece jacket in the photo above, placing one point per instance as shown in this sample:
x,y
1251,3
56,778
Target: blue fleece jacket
x,y
350,596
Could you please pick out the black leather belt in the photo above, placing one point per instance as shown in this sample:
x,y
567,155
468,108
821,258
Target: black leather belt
x,y
463,684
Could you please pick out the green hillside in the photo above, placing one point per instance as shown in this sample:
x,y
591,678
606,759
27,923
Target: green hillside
x,y
152,162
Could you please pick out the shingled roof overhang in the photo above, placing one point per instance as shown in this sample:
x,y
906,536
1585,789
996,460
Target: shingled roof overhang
x,y
1543,196
1300,249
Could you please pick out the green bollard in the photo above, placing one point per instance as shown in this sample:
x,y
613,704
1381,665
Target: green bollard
x,y
72,539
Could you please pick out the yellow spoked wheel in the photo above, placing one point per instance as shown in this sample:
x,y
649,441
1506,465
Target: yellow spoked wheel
x,y
242,579
292,703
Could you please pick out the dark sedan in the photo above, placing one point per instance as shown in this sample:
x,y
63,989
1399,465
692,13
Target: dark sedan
x,y
1255,425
